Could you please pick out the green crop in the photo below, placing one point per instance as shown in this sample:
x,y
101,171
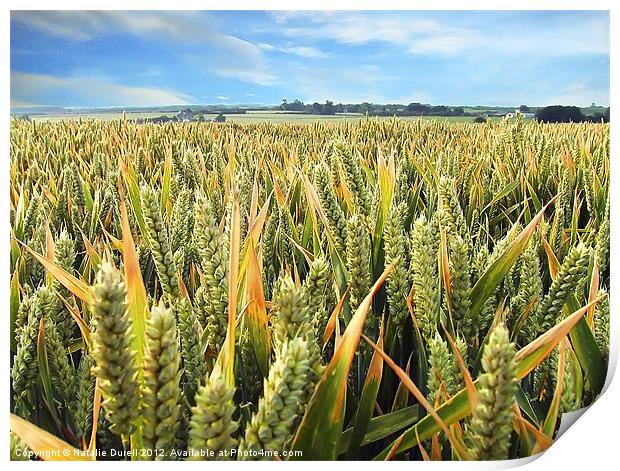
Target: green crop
x,y
213,291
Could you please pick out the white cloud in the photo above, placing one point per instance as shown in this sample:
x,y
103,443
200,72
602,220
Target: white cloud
x,y
96,90
307,52
188,27
246,63
86,25
72,25
449,43
250,76
304,51
555,36
416,35
231,56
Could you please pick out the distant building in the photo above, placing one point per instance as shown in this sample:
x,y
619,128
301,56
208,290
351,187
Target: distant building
x,y
523,114
519,114
185,115
160,119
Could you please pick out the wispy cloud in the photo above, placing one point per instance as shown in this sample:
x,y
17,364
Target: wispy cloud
x,y
564,35
92,90
250,76
232,56
86,25
246,64
307,52
100,57
415,35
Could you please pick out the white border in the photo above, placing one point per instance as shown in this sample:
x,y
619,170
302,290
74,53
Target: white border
x,y
591,444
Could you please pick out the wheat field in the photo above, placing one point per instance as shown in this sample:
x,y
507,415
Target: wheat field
x,y
370,290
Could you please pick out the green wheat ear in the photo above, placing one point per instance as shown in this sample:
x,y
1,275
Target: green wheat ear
x,y
358,256
572,270
64,255
396,253
182,224
214,262
280,409
452,209
488,434
423,270
212,426
530,290
194,364
442,369
314,297
84,396
31,215
113,351
270,250
317,291
602,241
353,176
25,365
159,241
33,270
292,318
601,324
161,394
25,306
461,287
358,260
331,206
315,287
61,371
569,401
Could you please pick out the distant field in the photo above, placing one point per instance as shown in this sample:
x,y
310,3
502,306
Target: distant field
x,y
254,117
312,118
98,116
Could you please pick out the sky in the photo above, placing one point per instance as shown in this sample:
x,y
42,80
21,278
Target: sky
x,y
151,58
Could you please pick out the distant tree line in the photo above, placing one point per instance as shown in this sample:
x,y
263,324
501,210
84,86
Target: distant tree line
x,y
548,114
568,114
372,109
555,114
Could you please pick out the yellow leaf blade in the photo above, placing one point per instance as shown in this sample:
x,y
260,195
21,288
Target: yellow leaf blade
x,y
48,447
74,285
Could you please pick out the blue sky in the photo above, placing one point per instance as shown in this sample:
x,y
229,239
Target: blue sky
x,y
112,58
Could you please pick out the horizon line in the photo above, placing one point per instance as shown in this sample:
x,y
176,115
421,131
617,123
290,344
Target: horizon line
x,y
241,104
